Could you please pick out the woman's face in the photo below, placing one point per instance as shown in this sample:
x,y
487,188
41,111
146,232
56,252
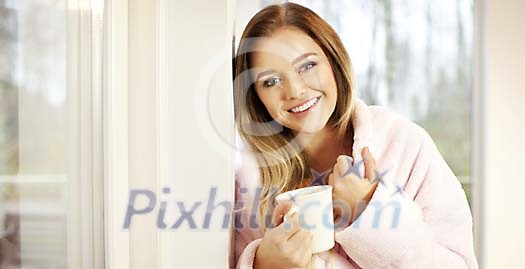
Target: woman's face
x,y
294,80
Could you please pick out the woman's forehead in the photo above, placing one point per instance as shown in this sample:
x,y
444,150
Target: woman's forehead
x,y
285,45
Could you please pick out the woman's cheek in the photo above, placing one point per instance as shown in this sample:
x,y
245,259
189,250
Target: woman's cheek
x,y
313,80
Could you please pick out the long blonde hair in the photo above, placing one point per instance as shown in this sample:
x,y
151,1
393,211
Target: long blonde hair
x,y
282,163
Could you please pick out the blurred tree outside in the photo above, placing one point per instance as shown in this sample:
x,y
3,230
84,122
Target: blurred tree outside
x,y
33,133
8,91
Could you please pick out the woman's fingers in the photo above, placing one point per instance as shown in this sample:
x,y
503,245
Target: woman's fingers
x,y
331,180
307,246
291,227
342,165
370,163
336,171
303,238
279,212
301,243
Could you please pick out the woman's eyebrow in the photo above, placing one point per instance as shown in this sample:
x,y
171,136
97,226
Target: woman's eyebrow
x,y
264,73
298,59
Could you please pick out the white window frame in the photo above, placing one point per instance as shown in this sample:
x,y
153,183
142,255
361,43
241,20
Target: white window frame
x,y
478,130
85,223
116,185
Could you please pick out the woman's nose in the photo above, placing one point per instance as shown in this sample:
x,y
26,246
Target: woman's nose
x,y
296,87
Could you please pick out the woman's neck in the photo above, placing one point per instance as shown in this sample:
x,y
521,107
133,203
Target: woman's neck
x,y
324,147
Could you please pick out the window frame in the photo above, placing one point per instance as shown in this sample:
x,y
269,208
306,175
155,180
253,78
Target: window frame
x,y
85,221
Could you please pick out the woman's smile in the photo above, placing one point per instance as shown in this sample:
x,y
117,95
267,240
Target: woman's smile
x,y
304,109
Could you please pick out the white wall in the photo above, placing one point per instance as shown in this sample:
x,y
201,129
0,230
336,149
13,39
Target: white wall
x,y
143,131
195,33
504,69
171,43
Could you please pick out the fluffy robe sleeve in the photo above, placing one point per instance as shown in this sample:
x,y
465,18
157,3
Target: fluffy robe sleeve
x,y
423,222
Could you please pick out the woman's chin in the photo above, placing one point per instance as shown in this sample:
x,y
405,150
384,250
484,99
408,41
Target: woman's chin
x,y
307,129
312,124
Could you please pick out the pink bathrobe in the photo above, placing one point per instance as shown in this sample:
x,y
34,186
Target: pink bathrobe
x,y
433,226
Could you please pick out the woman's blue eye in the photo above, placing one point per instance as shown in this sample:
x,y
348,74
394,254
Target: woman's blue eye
x,y
307,66
271,82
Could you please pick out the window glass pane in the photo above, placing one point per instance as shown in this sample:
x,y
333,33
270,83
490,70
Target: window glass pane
x,y
414,57
32,134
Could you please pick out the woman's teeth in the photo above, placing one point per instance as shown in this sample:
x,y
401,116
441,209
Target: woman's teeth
x,y
304,107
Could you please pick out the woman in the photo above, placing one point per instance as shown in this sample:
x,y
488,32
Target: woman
x,y
297,116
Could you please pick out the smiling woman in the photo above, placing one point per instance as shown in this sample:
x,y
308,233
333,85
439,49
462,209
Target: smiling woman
x,y
296,114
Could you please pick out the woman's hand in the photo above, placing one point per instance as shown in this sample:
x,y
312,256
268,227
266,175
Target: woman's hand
x,y
352,191
285,246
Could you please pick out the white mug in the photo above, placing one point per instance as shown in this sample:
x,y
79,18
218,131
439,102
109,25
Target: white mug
x,y
315,213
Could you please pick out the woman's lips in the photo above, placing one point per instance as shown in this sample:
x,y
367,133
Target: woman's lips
x,y
307,111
